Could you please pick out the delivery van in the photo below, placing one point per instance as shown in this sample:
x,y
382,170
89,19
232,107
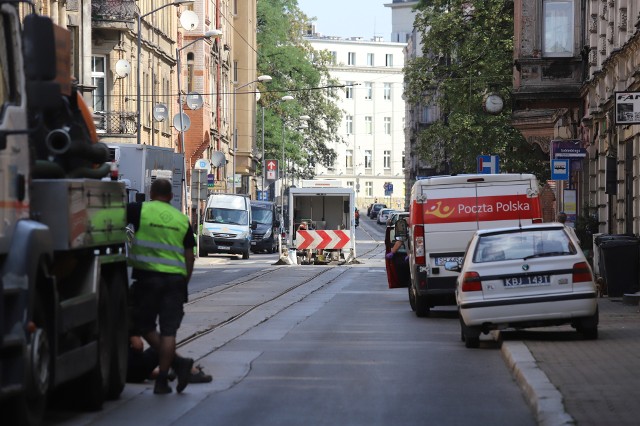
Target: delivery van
x,y
445,211
265,236
227,225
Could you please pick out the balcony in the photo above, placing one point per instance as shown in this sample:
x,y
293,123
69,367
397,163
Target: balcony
x,y
115,122
113,14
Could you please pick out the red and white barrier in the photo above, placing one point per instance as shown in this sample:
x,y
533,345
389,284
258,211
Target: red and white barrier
x,y
322,239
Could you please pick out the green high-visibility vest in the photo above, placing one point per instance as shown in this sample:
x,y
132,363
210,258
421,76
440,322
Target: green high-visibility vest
x,y
158,244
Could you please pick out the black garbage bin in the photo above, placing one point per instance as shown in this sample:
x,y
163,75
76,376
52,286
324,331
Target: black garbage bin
x,y
619,257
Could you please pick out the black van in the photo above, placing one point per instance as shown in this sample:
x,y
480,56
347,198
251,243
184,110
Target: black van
x,y
265,236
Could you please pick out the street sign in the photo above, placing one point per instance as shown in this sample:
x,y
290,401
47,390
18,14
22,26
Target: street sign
x,y
210,181
272,169
559,169
199,184
202,164
488,164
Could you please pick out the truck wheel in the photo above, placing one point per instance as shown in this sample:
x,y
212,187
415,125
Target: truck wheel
x,y
28,408
412,298
245,255
90,389
120,336
422,306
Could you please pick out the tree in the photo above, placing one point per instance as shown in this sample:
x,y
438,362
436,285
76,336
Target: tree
x,y
301,72
468,53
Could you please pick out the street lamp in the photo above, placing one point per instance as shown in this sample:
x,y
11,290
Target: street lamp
x,y
138,83
206,36
282,99
262,78
303,118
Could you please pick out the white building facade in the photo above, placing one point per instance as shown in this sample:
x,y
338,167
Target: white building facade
x,y
371,158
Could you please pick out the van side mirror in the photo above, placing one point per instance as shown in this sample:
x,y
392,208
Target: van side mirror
x,y
254,224
401,229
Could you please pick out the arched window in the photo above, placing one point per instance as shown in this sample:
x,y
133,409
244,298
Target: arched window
x,y
190,65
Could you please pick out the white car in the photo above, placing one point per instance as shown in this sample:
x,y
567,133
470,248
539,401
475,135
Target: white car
x,y
383,215
522,277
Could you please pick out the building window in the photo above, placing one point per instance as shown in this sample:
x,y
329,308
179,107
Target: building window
x,y
190,71
351,58
388,60
368,188
235,72
349,122
387,159
558,27
334,58
349,159
348,90
387,91
368,158
98,79
350,184
387,125
370,59
368,125
368,90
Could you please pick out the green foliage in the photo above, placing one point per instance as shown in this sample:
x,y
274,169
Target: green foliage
x,y
467,53
299,71
586,225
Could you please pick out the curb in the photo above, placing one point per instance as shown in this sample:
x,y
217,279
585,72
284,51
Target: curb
x,y
541,395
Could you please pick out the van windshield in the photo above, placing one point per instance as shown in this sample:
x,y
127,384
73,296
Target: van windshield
x,y
262,216
233,217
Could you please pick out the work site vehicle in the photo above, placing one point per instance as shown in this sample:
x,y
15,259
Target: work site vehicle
x,y
63,274
325,211
445,211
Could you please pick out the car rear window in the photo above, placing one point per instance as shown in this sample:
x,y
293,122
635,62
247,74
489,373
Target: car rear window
x,y
524,244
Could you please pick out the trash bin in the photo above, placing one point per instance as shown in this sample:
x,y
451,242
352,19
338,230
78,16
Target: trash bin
x,y
618,263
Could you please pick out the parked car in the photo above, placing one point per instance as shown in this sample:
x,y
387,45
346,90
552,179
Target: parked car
x,y
393,217
521,277
375,208
383,215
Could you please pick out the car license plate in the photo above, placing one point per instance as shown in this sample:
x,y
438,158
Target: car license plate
x,y
527,280
440,261
253,243
224,248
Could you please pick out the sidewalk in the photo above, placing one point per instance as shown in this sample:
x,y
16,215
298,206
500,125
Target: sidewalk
x,y
569,381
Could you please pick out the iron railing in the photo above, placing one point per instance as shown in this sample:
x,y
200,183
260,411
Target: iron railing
x,y
113,10
116,122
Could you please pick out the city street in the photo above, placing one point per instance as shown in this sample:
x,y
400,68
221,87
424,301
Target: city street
x,y
320,345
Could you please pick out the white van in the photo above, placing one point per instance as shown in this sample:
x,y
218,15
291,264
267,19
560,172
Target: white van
x,y
444,214
227,225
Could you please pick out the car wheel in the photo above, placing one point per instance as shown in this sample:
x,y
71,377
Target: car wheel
x,y
469,335
245,255
412,299
422,306
588,327
203,253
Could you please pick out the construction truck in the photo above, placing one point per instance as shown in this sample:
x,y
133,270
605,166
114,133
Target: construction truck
x,y
139,165
322,225
63,274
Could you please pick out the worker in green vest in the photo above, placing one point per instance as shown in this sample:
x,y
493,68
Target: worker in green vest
x,y
162,258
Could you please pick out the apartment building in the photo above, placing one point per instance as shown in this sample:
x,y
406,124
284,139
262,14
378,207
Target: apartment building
x,y
572,58
372,156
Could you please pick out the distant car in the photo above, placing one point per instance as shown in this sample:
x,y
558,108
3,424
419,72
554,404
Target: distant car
x,y
393,217
375,208
383,215
523,277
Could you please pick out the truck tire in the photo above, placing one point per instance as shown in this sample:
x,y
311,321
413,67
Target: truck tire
x,y
91,389
412,298
120,335
28,408
422,306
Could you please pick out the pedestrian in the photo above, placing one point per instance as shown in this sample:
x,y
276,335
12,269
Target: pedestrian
x,y
162,258
562,217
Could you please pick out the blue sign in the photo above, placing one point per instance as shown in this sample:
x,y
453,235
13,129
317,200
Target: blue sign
x,y
488,164
559,169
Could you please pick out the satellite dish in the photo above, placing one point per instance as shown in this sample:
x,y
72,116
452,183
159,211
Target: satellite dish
x,y
181,126
160,112
194,100
123,68
218,159
189,20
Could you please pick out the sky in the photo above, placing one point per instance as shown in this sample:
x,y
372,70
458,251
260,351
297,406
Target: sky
x,y
350,18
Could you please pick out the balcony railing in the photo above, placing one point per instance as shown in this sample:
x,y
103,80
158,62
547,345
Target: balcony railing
x,y
113,10
116,122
